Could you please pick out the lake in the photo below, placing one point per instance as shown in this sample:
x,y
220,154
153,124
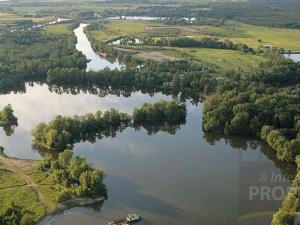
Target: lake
x,y
189,177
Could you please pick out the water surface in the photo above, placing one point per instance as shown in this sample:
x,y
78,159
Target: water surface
x,y
96,61
294,57
189,177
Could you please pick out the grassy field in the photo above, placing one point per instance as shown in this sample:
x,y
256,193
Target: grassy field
x,y
249,34
59,29
217,58
20,182
221,60
10,20
114,29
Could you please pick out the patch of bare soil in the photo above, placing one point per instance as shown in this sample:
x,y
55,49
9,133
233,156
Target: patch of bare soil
x,y
157,56
190,30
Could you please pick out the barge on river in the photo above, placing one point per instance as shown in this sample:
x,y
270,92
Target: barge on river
x,y
128,220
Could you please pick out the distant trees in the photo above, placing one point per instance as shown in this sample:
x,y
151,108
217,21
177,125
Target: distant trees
x,y
30,54
265,104
7,120
171,77
185,42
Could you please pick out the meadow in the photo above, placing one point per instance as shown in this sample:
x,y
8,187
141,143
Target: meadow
x,y
254,36
22,183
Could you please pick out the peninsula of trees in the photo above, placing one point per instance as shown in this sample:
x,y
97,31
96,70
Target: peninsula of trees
x,y
64,132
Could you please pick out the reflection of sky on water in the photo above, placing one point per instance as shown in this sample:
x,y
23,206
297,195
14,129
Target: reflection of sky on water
x,y
294,57
38,104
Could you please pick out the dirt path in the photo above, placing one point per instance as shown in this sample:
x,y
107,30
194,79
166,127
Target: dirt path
x,y
17,167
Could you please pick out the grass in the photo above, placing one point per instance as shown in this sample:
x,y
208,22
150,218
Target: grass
x,y
59,29
37,176
15,186
25,197
9,179
221,60
10,19
250,34
114,29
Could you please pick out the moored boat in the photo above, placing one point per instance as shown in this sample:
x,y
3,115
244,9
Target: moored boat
x,y
129,219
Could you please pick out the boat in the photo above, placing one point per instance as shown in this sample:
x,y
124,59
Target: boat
x,y
128,220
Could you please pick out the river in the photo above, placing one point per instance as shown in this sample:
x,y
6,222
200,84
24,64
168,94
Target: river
x,y
189,177
294,57
96,61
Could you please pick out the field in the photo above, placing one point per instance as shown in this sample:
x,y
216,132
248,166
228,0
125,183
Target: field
x,y
219,59
8,20
21,183
113,29
249,34
59,29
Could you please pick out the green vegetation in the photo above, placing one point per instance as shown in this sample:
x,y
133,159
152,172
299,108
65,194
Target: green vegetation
x,y
169,112
157,37
75,175
13,21
174,77
291,204
253,36
203,43
7,120
30,54
222,60
261,97
64,132
245,104
112,29
20,201
31,189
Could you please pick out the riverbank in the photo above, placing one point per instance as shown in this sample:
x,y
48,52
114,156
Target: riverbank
x,y
79,202
34,190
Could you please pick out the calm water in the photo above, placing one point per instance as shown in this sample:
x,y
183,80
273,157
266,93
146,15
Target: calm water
x,y
145,18
96,61
188,178
294,57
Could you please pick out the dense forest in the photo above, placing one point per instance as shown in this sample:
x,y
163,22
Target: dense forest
x,y
265,104
30,54
173,77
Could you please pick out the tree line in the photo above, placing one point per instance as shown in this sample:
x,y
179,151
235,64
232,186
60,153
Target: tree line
x,y
186,77
266,104
64,132
30,54
185,42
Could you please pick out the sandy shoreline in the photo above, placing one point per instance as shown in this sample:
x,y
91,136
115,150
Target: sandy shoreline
x,y
74,202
